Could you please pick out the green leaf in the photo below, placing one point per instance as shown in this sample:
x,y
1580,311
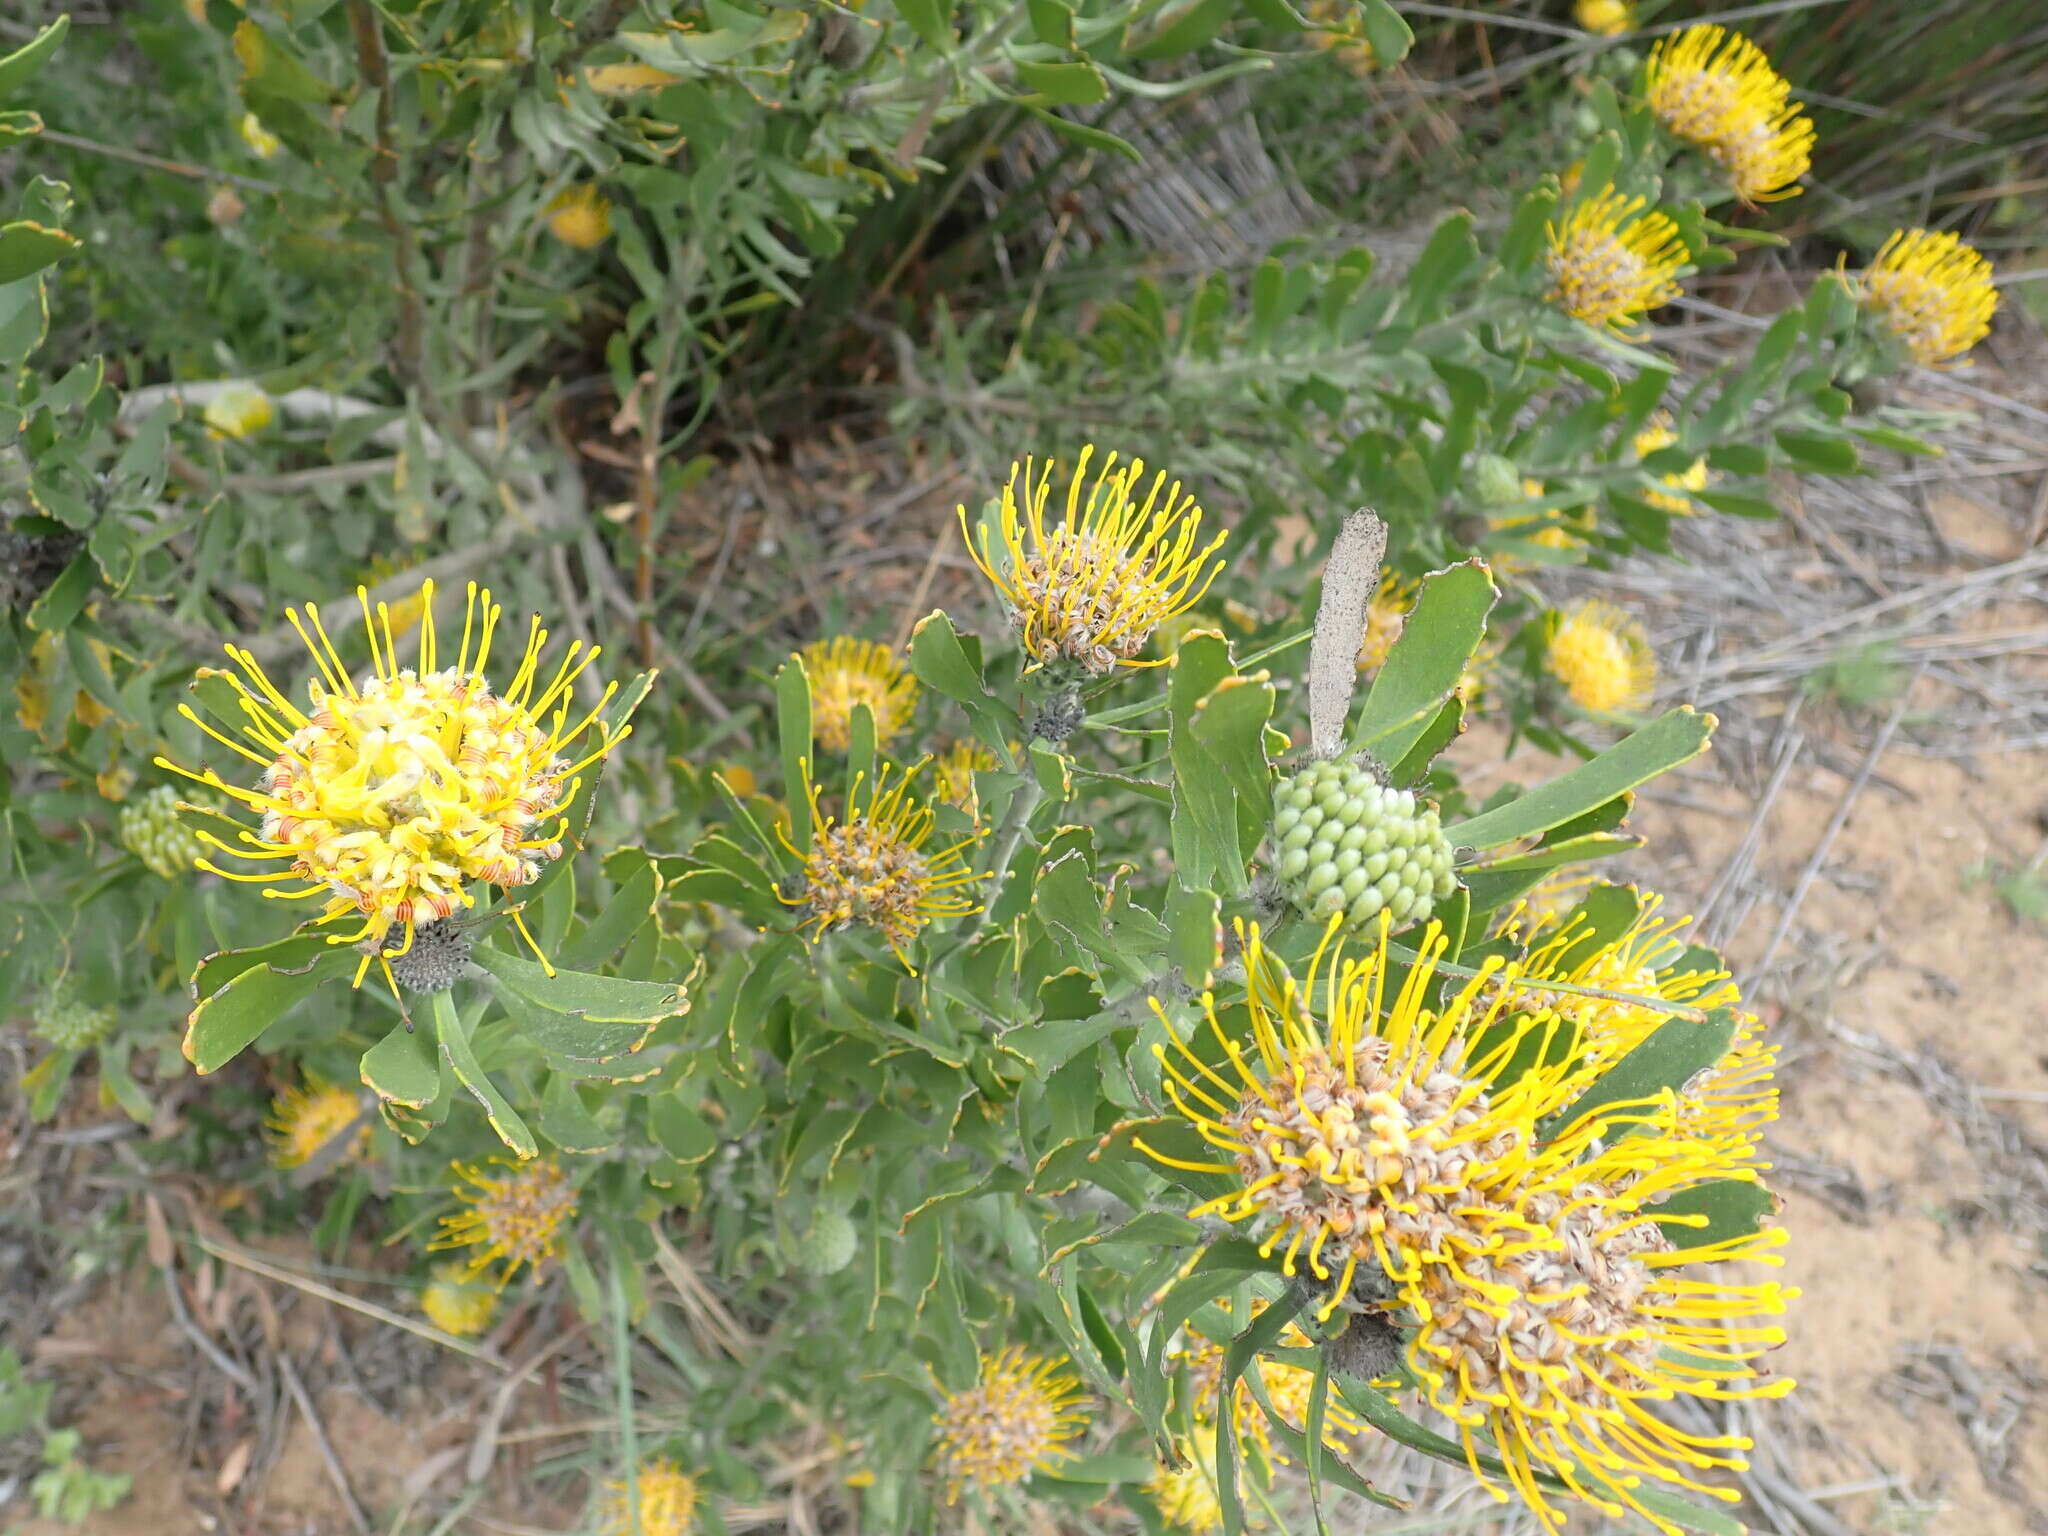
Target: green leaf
x,y
931,20
1718,1211
683,1133
1204,821
1673,1053
459,1051
227,1020
271,69
1739,506
402,1068
1195,922
20,66
1675,737
1386,31
793,721
580,995
942,662
64,599
1824,455
1423,668
567,1122
1190,26
1087,135
624,913
26,248
1069,83
1439,733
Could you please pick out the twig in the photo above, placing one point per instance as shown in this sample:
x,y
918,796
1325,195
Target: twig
x,y
242,1259
1839,820
367,29
158,163
304,1399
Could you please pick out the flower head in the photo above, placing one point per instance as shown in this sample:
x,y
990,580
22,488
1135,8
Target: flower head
x,y
1338,34
1659,433
1186,1493
1932,292
263,144
1521,1241
1649,961
953,774
238,411
581,217
1557,1303
873,867
1015,1420
1604,18
457,1302
1610,261
305,1119
391,797
1289,1388
1716,90
516,1216
1385,617
1602,657
667,1498
1350,1120
844,672
1085,595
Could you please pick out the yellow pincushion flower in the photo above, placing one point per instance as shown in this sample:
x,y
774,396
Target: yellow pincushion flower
x,y
844,672
668,1501
581,217
1610,261
391,797
953,774
1434,1141
1931,291
1343,1103
1715,89
306,1118
1650,960
1658,433
517,1216
873,867
238,411
1385,617
1289,1388
457,1302
1337,35
1015,1420
1604,18
1602,657
1186,1493
263,144
1085,595
1552,1304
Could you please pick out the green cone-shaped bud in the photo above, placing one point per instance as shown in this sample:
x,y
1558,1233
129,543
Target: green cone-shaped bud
x,y
1372,848
149,828
71,1024
827,1245
1495,481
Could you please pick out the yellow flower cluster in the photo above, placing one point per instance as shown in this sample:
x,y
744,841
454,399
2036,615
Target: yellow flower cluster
x,y
1602,657
1376,1119
1715,89
1933,292
873,867
581,218
1610,260
1016,1419
1289,1388
1085,595
457,1302
1385,617
1658,433
844,672
517,1216
306,1118
667,1499
391,797
1185,1492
